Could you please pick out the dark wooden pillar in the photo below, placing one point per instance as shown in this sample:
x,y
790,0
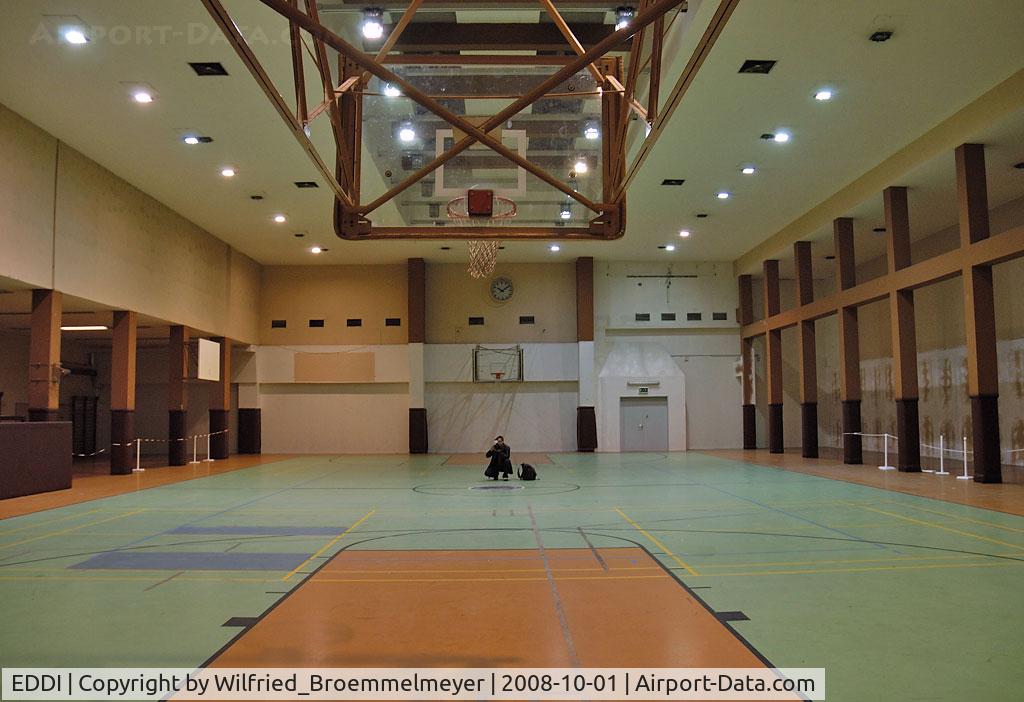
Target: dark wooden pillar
x,y
745,316
417,313
122,393
586,418
773,352
849,343
808,352
44,357
979,316
177,395
904,334
220,405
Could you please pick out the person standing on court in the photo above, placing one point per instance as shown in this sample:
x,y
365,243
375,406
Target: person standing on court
x,y
501,462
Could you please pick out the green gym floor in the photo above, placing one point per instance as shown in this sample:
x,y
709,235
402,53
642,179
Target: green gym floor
x,y
896,596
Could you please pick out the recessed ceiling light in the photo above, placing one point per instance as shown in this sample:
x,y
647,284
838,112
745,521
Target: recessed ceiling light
x,y
722,195
580,167
280,218
1019,166
555,248
591,132
75,35
684,233
306,184
823,95
391,91
701,215
373,23
748,170
299,235
673,181
880,36
446,248
142,96
208,68
623,16
191,140
670,247
407,133
757,66
781,137
316,250
84,327
229,172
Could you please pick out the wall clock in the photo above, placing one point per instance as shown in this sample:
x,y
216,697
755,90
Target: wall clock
x,y
501,289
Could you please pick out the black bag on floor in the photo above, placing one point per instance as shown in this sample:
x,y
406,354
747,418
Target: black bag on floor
x,y
527,472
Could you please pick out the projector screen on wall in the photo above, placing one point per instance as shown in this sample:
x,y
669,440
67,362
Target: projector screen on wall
x,y
208,366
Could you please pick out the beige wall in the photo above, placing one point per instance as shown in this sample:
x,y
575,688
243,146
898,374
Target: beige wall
x,y
335,294
545,291
70,224
26,200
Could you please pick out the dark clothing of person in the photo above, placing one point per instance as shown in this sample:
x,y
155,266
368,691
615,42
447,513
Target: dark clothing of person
x,y
500,461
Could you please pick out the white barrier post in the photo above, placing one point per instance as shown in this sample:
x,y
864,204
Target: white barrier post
x,y
195,449
138,457
964,476
942,456
209,459
885,452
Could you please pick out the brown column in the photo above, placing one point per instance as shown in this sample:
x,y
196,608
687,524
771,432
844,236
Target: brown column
x,y
177,395
586,418
44,357
849,343
417,312
745,315
904,336
808,352
122,393
220,405
773,351
979,316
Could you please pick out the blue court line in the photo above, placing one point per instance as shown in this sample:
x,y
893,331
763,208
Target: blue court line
x,y
802,519
192,560
259,530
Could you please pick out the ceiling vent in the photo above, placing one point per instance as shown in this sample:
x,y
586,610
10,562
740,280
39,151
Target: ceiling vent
x,y
673,181
212,68
757,66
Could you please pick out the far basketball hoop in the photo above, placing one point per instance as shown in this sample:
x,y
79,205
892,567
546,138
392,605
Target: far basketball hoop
x,y
497,364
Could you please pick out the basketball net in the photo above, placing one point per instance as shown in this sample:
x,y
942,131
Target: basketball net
x,y
483,255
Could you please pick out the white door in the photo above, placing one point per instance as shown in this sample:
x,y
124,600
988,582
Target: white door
x,y
644,424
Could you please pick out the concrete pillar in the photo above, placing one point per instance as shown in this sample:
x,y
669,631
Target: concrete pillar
x,y
44,357
122,393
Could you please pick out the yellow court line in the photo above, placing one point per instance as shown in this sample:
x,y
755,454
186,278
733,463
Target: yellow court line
x,y
49,521
944,528
330,543
959,517
657,543
856,560
861,570
486,580
70,529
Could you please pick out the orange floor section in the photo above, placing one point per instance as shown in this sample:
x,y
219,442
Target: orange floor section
x,y
1007,498
512,608
93,481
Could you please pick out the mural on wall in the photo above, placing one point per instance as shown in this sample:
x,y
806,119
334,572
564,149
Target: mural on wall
x,y
944,407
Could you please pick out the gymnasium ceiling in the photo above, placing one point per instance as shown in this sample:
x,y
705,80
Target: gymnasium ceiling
x,y
943,56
